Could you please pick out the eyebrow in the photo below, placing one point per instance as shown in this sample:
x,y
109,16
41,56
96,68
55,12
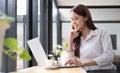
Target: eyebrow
x,y
75,17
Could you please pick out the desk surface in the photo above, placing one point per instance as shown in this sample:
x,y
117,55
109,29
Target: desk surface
x,y
37,69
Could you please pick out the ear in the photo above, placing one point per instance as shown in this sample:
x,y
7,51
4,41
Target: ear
x,y
86,18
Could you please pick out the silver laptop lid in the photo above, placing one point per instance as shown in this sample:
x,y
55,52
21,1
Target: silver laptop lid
x,y
38,51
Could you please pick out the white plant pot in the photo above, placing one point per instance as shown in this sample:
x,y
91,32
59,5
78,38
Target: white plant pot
x,y
3,27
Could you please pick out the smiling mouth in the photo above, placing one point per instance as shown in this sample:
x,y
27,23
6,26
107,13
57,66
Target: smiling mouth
x,y
76,27
78,31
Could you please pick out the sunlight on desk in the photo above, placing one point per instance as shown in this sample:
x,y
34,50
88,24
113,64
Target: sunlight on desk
x,y
37,69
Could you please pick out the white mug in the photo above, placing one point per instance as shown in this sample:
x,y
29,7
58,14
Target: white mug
x,y
49,63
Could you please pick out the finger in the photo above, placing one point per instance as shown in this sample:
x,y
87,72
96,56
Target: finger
x,y
70,62
67,62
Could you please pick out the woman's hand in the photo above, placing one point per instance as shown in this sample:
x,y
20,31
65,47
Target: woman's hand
x,y
74,61
73,34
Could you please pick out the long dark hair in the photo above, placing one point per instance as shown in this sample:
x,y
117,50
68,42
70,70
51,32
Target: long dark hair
x,y
83,11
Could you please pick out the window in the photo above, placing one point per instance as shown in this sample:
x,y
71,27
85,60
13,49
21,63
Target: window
x,y
21,14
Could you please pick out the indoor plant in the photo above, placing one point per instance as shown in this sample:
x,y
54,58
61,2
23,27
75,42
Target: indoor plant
x,y
11,44
59,49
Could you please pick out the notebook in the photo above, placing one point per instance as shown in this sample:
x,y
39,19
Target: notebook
x,y
39,53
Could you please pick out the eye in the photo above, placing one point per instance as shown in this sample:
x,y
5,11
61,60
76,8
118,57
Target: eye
x,y
71,19
76,18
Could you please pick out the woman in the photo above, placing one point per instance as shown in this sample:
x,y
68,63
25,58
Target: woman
x,y
88,46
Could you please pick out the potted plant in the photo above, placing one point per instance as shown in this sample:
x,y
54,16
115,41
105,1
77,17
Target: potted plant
x,y
11,44
57,53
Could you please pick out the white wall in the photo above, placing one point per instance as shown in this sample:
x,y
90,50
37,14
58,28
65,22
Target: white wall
x,y
97,14
88,2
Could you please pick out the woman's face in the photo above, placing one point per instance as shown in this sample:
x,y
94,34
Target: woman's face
x,y
78,21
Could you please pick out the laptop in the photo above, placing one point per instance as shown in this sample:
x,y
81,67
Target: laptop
x,y
39,53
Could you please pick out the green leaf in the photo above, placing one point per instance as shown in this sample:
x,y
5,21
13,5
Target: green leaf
x,y
58,52
25,55
9,19
6,18
13,50
11,43
65,45
7,53
59,46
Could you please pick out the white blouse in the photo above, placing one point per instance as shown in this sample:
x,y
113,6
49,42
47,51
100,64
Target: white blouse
x,y
96,46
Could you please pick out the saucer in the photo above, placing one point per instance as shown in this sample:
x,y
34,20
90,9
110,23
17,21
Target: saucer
x,y
51,67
